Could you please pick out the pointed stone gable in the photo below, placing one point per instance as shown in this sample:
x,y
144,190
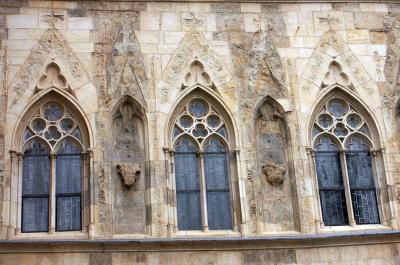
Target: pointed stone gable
x,y
51,47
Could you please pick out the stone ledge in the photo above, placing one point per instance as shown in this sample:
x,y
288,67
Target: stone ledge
x,y
199,244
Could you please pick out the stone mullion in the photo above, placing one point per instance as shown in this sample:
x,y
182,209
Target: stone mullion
x,y
171,193
347,192
203,193
52,195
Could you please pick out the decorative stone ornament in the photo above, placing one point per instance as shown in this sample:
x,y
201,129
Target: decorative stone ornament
x,y
274,173
129,173
197,75
335,75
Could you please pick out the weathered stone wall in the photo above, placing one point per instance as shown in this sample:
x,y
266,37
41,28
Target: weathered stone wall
x,y
268,65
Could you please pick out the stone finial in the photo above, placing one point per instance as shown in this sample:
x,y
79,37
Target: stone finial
x,y
274,173
129,173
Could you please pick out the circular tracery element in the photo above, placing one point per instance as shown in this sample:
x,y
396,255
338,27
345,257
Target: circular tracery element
x,y
199,120
52,123
339,119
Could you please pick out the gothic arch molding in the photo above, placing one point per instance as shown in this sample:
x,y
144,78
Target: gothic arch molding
x,y
47,95
353,98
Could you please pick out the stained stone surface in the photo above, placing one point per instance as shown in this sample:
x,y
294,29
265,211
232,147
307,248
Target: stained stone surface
x,y
127,66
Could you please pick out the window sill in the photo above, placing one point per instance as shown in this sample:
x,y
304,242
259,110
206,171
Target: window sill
x,y
54,235
195,233
348,228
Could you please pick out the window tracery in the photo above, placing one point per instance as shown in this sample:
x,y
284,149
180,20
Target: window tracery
x,y
342,143
52,153
202,168
200,120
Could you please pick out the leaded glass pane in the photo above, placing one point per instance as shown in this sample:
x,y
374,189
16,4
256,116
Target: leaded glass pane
x,y
361,179
330,183
68,213
217,186
337,107
68,187
198,107
36,170
187,186
35,214
53,111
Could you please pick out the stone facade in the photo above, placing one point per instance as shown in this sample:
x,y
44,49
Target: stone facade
x,y
128,69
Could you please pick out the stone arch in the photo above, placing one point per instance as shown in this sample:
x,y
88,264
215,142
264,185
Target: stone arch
x,y
53,93
275,169
127,154
228,139
69,124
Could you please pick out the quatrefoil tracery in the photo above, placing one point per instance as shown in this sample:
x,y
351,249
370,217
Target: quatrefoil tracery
x,y
199,120
340,120
52,123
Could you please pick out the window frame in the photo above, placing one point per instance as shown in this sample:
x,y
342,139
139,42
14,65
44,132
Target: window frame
x,y
86,157
231,157
342,150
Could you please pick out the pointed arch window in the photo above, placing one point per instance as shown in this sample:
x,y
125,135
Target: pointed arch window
x,y
52,170
344,165
202,176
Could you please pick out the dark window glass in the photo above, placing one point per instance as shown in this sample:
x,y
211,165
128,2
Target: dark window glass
x,y
217,186
35,188
187,186
362,187
68,187
330,183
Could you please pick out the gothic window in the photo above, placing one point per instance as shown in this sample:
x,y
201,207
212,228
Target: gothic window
x,y
342,145
52,170
202,168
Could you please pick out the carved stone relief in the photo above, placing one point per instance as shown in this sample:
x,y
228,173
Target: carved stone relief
x,y
265,66
129,173
194,47
128,155
197,75
335,75
275,173
276,188
51,46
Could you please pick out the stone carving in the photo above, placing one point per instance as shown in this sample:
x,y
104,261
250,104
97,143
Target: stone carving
x,y
129,173
335,75
193,45
269,112
52,19
52,77
102,195
197,75
265,61
274,173
50,46
391,68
